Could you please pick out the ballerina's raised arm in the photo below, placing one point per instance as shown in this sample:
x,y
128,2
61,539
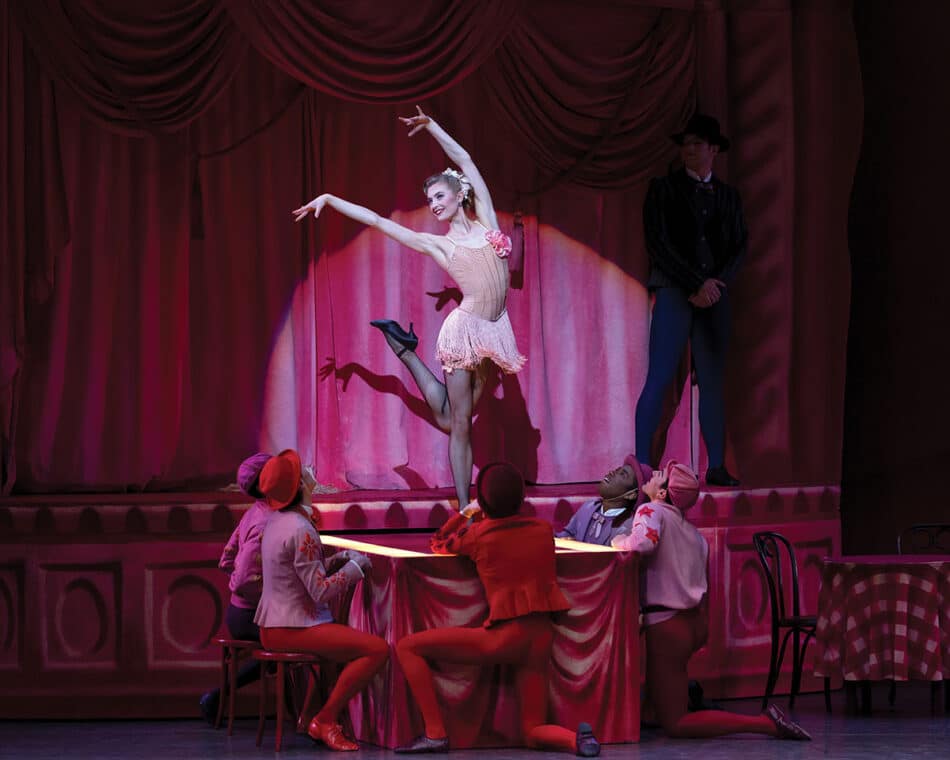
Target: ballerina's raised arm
x,y
484,208
424,242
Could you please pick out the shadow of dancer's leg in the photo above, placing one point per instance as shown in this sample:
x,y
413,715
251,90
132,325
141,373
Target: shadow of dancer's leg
x,y
382,383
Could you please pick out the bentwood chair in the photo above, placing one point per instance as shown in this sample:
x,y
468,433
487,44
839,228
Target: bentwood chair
x,y
283,661
232,652
925,538
777,556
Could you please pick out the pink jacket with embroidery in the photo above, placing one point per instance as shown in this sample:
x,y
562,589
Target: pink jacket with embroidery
x,y
241,558
296,585
674,556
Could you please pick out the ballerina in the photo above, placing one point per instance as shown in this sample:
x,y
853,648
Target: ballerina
x,y
475,253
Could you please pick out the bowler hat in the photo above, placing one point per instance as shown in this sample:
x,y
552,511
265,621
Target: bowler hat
x,y
704,127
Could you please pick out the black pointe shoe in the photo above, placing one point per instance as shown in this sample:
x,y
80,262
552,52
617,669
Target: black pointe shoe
x,y
391,327
719,476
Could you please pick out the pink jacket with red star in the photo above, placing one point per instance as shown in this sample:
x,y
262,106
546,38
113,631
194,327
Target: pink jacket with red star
x,y
296,585
674,556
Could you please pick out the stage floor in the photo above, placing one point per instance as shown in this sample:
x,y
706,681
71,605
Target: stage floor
x,y
906,731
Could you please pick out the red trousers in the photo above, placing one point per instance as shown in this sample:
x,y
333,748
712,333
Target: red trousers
x,y
524,642
670,644
362,653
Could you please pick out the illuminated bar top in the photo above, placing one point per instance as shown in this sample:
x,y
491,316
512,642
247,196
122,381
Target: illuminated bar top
x,y
417,544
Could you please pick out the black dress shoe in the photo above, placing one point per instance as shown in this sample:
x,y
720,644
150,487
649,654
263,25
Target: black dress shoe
x,y
423,744
208,704
785,727
719,476
391,327
586,744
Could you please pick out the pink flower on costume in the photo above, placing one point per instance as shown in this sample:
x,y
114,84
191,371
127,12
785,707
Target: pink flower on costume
x,y
499,242
309,547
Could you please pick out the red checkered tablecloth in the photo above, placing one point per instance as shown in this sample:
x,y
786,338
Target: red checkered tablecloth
x,y
884,617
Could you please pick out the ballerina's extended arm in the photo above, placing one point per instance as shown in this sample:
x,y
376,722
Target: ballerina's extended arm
x,y
484,209
424,242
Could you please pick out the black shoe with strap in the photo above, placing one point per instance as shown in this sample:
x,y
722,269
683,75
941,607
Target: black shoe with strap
x,y
390,327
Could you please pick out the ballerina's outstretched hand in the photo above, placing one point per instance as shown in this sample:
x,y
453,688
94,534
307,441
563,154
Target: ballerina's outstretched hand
x,y
417,122
316,206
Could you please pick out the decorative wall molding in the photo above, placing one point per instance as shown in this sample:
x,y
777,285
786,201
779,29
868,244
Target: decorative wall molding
x,y
216,514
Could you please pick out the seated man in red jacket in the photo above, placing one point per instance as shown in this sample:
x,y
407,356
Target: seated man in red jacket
x,y
514,557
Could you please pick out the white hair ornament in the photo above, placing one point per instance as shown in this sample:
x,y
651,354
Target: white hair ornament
x,y
462,180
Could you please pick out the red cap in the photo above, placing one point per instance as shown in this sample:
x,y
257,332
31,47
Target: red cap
x,y
279,481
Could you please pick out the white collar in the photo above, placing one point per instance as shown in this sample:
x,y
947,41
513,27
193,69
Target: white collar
x,y
695,176
610,511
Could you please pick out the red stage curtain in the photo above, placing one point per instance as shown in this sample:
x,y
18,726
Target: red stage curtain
x,y
13,71
33,218
376,52
594,91
136,68
191,321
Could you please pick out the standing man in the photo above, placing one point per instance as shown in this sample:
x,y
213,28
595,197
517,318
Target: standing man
x,y
696,237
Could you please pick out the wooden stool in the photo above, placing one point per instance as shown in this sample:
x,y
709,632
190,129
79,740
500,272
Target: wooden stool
x,y
282,659
232,650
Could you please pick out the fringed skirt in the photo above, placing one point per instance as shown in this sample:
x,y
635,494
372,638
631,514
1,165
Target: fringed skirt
x,y
465,340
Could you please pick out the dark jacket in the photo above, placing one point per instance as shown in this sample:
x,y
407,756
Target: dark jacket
x,y
672,228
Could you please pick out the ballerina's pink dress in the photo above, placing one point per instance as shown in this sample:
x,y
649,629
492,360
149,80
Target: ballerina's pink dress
x,y
479,327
